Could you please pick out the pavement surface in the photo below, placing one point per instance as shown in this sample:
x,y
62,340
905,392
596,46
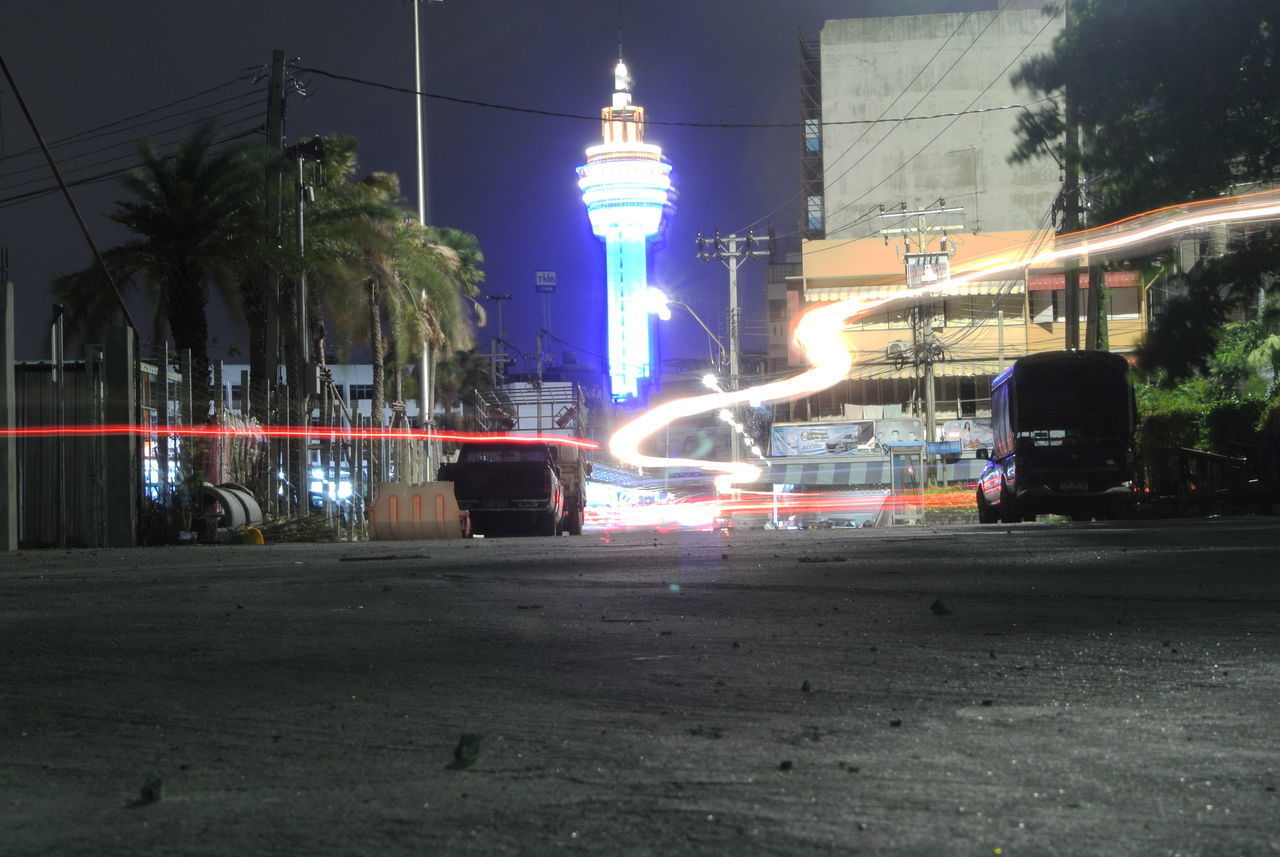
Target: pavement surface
x,y
1038,689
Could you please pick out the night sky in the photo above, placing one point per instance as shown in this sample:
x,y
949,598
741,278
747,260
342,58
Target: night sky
x,y
506,176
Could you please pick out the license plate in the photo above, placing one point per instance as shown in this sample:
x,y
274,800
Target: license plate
x,y
495,504
1075,486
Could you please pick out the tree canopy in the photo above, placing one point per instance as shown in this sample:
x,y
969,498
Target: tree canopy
x,y
1177,101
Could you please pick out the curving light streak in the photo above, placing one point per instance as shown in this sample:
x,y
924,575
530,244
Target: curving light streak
x,y
818,330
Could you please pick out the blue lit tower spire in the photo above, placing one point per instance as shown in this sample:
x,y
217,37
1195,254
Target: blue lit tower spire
x,y
626,185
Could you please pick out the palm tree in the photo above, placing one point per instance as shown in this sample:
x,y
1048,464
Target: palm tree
x,y
439,270
457,377
184,213
378,276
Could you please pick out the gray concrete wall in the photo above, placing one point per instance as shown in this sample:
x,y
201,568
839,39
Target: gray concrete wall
x,y
867,63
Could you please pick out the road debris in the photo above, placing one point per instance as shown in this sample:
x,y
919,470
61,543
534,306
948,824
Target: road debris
x,y
466,753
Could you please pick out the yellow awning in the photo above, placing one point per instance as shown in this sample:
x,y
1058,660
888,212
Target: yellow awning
x,y
880,368
874,293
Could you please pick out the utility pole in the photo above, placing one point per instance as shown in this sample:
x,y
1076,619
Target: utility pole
x,y
303,376
925,268
498,345
1071,203
1094,335
275,152
261,394
733,251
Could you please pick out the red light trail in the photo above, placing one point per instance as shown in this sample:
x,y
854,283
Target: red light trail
x,y
295,431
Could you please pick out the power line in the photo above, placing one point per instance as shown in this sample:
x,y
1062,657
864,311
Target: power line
x,y
113,123
555,114
28,196
247,113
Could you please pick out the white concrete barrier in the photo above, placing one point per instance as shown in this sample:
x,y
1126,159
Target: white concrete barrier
x,y
427,510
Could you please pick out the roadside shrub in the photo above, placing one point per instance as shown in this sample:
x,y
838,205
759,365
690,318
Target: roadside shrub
x,y
1174,427
1230,425
1270,419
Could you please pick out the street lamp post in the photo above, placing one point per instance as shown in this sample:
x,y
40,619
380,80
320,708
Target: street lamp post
x,y
720,349
417,101
660,305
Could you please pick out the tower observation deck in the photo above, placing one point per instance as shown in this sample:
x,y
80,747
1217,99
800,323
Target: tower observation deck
x,y
626,186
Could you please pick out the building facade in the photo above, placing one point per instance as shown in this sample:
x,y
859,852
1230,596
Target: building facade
x,y
900,201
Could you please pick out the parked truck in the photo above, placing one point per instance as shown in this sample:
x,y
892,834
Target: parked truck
x,y
508,488
525,480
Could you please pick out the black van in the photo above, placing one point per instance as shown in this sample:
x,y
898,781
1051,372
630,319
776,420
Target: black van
x,y
1062,426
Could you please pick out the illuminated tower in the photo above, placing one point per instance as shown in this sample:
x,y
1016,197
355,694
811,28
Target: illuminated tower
x,y
626,185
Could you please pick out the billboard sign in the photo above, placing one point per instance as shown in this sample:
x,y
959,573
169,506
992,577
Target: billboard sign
x,y
899,430
970,434
824,438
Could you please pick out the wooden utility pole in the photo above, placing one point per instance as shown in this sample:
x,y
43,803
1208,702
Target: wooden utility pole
x,y
261,395
1095,336
1071,206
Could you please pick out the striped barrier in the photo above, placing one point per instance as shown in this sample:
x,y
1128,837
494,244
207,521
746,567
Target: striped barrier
x,y
427,510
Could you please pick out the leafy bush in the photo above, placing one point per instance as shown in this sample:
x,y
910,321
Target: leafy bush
x,y
1230,425
1173,427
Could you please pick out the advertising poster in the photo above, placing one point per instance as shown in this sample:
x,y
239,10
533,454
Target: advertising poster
x,y
826,438
970,433
705,438
899,430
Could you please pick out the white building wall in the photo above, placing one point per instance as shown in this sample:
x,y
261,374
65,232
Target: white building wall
x,y
353,380
867,63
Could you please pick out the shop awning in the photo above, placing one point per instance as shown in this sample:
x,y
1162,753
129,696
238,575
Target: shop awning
x,y
881,368
815,292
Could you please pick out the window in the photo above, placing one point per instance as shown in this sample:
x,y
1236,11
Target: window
x,y
967,310
812,135
815,212
1043,306
1122,303
968,396
360,392
778,310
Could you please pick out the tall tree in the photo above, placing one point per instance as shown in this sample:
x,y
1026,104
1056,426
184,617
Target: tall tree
x,y
377,275
183,214
457,377
1177,101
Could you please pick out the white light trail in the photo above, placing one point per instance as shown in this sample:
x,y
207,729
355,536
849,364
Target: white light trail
x,y
818,330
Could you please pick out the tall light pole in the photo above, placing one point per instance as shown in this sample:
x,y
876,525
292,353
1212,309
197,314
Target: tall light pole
x,y
417,102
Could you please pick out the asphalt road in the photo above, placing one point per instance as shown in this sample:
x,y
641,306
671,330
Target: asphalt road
x,y
1041,689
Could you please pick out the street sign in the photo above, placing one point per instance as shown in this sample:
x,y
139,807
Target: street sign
x,y
544,281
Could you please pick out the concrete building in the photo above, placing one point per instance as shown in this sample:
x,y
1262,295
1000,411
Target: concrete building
x,y
877,69
891,200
